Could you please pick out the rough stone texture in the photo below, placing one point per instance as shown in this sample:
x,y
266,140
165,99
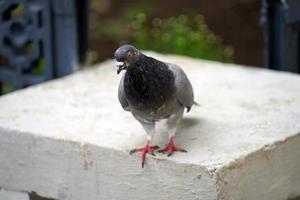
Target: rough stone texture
x,y
11,195
69,138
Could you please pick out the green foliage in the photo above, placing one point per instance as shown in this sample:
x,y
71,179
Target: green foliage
x,y
6,88
39,68
180,35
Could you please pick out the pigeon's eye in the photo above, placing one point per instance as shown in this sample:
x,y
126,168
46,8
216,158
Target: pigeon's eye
x,y
129,55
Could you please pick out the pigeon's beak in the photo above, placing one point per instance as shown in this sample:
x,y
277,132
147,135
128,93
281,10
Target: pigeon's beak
x,y
121,66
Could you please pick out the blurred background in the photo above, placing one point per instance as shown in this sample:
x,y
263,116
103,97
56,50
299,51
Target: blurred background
x,y
45,39
226,31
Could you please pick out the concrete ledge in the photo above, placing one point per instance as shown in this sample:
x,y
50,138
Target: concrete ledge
x,y
69,138
11,195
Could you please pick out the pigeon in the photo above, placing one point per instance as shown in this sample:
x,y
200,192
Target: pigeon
x,y
152,91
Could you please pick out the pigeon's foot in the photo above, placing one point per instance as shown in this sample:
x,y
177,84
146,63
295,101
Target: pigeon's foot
x,y
144,150
171,148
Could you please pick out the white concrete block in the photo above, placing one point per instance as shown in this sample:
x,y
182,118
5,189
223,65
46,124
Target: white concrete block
x,y
69,138
12,195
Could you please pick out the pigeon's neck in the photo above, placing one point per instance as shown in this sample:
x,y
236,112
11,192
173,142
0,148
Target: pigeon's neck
x,y
149,82
136,79
146,72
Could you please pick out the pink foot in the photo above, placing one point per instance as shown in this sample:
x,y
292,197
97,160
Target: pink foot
x,y
171,148
144,150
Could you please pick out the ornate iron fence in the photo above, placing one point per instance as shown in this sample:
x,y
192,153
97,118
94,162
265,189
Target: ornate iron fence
x,y
40,40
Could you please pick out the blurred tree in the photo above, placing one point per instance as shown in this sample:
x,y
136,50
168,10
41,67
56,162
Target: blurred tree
x,y
180,35
184,35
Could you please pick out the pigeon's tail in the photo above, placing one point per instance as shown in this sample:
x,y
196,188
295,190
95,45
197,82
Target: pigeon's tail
x,y
196,103
189,107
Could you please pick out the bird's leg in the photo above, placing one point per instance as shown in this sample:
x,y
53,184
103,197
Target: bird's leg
x,y
147,148
171,147
172,124
144,150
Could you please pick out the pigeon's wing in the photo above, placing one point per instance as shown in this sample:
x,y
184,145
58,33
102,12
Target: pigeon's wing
x,y
121,95
184,89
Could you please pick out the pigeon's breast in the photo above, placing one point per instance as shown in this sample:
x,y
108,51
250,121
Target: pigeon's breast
x,y
154,106
157,112
151,94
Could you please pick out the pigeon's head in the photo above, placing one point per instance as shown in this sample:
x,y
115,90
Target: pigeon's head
x,y
126,56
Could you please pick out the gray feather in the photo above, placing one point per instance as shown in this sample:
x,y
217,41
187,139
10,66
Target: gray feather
x,y
184,89
121,95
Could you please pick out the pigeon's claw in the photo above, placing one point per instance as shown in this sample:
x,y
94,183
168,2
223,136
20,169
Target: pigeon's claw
x,y
144,150
171,148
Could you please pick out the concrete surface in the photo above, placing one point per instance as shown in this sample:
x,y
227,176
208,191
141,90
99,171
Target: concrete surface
x,y
12,195
69,138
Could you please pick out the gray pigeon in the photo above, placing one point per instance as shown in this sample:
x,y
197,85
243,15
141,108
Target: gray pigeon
x,y
153,90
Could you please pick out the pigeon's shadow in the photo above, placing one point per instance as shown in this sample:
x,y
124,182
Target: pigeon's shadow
x,y
183,130
188,123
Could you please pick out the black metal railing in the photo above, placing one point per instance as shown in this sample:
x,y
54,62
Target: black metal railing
x,y
40,40
281,22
